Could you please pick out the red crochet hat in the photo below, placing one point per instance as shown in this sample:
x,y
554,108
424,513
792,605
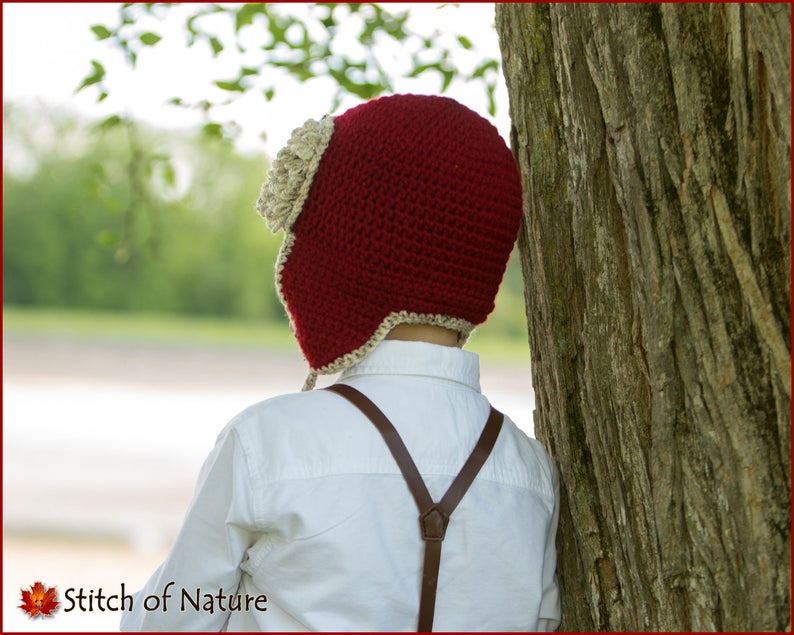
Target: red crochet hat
x,y
401,210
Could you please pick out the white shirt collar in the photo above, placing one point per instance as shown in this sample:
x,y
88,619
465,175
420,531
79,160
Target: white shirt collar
x,y
397,357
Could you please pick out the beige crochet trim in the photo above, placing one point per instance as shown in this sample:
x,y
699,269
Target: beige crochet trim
x,y
291,176
463,327
283,253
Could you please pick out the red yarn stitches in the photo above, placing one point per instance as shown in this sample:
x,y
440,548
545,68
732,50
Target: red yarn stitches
x,y
415,208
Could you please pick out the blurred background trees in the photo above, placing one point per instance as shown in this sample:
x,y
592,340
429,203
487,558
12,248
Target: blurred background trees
x,y
133,219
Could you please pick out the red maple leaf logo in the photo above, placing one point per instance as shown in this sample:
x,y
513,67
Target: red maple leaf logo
x,y
39,600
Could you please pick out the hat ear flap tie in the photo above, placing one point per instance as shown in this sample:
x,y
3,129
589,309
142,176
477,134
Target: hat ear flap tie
x,y
311,381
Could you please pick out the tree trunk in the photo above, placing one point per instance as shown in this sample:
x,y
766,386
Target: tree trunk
x,y
654,143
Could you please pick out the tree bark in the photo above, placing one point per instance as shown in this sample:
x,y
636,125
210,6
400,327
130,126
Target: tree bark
x,y
654,143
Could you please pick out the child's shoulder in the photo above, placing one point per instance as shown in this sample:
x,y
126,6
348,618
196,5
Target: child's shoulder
x,y
290,409
290,434
315,421
524,459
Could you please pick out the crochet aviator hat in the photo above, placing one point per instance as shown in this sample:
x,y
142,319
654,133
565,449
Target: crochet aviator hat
x,y
402,210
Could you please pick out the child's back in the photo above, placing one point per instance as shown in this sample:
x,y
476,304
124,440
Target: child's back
x,y
302,501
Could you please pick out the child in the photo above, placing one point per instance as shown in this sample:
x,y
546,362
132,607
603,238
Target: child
x,y
399,216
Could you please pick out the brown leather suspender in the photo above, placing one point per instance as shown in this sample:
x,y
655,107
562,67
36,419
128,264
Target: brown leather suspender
x,y
433,517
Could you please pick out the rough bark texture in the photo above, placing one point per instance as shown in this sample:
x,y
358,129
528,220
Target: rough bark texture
x,y
654,143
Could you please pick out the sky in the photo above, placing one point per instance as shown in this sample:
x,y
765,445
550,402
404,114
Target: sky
x,y
48,48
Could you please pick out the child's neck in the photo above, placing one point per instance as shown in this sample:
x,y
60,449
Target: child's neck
x,y
424,333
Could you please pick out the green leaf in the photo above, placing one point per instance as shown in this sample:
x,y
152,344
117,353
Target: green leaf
x,y
96,75
245,14
247,70
448,77
269,94
490,89
217,46
328,22
421,68
243,18
465,42
234,86
484,67
98,68
110,122
101,32
102,96
149,38
212,130
191,30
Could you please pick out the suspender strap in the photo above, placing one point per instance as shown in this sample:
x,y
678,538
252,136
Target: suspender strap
x,y
433,517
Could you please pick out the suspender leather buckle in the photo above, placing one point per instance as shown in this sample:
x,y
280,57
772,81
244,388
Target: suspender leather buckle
x,y
434,524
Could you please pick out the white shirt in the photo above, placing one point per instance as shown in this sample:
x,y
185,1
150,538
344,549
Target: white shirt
x,y
301,501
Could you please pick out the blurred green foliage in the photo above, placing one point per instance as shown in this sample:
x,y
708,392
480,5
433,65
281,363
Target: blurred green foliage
x,y
193,244
133,219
